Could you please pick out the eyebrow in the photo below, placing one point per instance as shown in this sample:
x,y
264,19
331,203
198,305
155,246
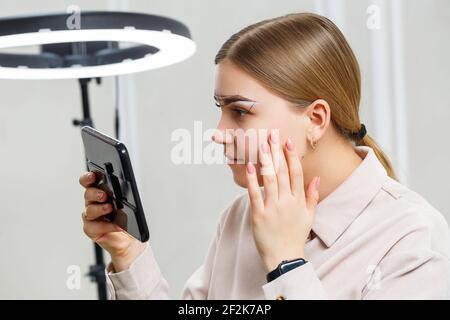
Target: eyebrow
x,y
227,99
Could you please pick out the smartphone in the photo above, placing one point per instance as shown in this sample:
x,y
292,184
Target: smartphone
x,y
108,158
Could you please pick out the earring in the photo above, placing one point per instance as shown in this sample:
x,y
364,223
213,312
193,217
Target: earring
x,y
313,144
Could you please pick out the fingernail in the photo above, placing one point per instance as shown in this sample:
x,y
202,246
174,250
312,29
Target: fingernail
x,y
289,144
89,175
318,183
265,147
99,195
105,207
273,136
250,168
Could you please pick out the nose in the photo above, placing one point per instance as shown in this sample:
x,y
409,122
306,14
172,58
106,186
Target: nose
x,y
222,135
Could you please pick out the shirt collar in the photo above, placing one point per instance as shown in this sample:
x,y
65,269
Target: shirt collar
x,y
339,209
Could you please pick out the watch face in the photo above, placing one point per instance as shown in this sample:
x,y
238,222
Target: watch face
x,y
285,267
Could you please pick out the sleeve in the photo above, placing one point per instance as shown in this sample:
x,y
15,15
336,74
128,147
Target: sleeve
x,y
287,285
144,280
410,274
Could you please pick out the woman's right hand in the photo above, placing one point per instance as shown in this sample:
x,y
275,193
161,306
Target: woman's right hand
x,y
122,247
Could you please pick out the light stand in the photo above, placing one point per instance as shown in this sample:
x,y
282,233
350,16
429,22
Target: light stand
x,y
96,271
92,52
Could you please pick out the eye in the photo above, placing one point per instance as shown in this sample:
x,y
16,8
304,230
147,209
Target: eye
x,y
237,111
240,112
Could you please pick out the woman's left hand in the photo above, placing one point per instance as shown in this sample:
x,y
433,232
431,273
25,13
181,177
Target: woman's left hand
x,y
283,219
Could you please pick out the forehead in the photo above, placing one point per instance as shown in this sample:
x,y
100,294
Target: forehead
x,y
230,80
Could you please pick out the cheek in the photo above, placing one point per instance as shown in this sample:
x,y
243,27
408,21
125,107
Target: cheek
x,y
252,154
248,150
297,134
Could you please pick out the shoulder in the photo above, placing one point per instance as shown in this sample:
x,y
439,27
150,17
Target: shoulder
x,y
412,206
412,218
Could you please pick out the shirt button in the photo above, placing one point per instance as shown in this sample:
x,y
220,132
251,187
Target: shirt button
x,y
281,298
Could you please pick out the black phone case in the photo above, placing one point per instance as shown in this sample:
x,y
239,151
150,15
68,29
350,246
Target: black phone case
x,y
108,158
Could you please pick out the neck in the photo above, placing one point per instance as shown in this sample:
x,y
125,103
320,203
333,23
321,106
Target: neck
x,y
334,162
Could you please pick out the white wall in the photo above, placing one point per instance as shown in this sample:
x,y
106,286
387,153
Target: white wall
x,y
428,81
42,157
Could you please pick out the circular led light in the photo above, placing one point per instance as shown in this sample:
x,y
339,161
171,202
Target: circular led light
x,y
169,37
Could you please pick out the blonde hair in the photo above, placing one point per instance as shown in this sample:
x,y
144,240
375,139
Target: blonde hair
x,y
304,57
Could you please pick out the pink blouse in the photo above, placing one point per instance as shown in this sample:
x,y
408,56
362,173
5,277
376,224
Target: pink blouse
x,y
373,239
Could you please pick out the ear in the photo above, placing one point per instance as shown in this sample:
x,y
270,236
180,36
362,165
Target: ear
x,y
319,114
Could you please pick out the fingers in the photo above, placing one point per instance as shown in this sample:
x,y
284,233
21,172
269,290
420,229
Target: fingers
x,y
295,169
281,172
254,193
312,194
87,179
268,174
279,163
96,229
95,211
92,195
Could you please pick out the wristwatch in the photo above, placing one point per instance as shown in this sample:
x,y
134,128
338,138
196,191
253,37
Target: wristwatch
x,y
284,267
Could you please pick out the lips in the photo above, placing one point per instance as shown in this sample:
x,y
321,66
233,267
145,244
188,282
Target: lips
x,y
228,156
233,160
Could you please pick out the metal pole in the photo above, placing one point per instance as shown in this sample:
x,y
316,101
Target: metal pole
x,y
96,271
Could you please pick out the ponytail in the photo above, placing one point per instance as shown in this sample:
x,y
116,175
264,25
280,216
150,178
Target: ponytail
x,y
382,157
303,57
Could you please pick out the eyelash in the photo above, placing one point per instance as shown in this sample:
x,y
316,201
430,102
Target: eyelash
x,y
239,112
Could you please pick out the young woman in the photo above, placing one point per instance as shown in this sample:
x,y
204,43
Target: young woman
x,y
331,221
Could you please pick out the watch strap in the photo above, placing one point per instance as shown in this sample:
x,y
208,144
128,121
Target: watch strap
x,y
283,267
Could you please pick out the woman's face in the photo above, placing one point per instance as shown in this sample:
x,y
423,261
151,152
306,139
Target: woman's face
x,y
249,112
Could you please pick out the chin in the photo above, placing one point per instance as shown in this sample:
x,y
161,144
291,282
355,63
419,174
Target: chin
x,y
239,174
